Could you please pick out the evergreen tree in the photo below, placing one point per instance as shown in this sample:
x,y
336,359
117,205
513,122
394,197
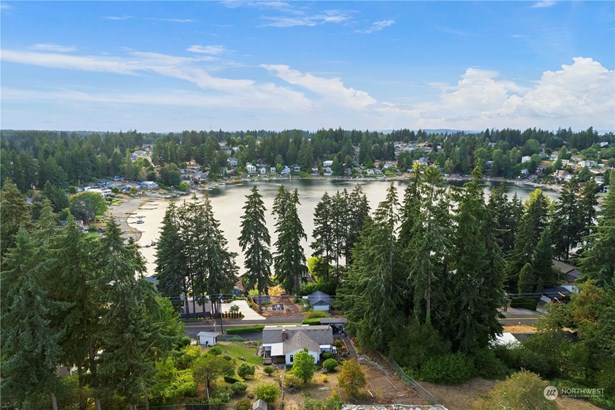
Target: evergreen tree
x,y
340,219
598,261
14,212
428,253
507,215
542,261
30,343
477,278
123,368
357,217
566,224
255,242
170,263
587,207
324,235
370,295
289,260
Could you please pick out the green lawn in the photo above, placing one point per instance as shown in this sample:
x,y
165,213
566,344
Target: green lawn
x,y
238,349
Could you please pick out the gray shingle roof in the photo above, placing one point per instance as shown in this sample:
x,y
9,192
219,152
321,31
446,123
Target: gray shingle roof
x,y
321,334
319,297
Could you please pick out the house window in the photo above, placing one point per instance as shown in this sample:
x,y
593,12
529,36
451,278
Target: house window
x,y
291,358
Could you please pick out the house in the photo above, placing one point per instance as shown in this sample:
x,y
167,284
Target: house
x,y
273,170
208,338
285,171
137,154
149,185
259,404
326,164
281,343
319,301
558,293
525,158
262,170
232,162
571,272
296,169
251,169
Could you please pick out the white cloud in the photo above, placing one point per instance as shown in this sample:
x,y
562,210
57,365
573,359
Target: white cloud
x,y
543,4
164,19
53,47
5,6
310,20
377,26
275,5
212,49
329,89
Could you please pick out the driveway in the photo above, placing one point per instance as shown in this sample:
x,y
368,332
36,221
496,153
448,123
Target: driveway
x,y
248,312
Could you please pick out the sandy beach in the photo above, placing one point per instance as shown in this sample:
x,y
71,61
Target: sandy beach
x,y
122,211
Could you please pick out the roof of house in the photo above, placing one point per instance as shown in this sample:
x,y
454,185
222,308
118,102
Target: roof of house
x,y
259,404
563,267
208,334
320,334
559,291
319,297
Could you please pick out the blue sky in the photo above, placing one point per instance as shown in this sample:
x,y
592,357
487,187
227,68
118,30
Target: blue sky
x,y
236,65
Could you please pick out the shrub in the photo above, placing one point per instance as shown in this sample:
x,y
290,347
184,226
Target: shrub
x,y
522,390
269,370
247,329
243,404
231,379
448,369
487,365
524,303
316,314
268,392
290,380
311,322
312,404
228,357
239,388
330,365
303,366
351,378
334,402
416,344
215,350
245,370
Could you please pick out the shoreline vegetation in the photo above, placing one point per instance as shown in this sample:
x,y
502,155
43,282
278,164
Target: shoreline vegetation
x,y
131,206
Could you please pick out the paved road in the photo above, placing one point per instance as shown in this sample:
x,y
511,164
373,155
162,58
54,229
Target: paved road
x,y
515,316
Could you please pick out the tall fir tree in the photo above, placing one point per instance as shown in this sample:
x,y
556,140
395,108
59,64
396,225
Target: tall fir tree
x,y
358,216
289,259
567,224
14,212
370,295
324,235
255,243
598,261
30,343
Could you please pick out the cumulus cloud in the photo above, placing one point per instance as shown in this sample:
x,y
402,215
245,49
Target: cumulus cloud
x,y
377,26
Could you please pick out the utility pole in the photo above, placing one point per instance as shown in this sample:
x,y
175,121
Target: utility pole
x,y
220,311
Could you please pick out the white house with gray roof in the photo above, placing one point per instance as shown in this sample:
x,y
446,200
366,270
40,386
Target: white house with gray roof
x,y
319,301
281,343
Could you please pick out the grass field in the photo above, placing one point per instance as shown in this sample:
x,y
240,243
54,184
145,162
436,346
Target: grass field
x,y
238,349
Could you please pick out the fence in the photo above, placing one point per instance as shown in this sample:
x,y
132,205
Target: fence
x,y
415,385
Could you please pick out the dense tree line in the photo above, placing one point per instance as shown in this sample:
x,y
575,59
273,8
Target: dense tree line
x,y
76,301
192,257
32,158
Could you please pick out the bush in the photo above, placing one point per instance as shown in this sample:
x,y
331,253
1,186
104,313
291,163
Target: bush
x,y
311,322
247,329
327,355
330,365
243,404
521,390
228,357
290,380
245,370
524,303
239,388
316,314
448,369
215,350
487,365
231,379
312,404
416,344
269,370
268,392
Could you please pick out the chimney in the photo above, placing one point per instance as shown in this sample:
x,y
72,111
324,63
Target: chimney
x,y
284,335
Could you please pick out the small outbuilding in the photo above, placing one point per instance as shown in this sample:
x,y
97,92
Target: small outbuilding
x,y
570,272
207,338
259,404
320,301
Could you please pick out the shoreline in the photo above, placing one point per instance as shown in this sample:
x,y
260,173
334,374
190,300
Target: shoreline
x,y
123,211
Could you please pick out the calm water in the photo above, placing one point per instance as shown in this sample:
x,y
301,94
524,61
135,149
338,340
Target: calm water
x,y
228,201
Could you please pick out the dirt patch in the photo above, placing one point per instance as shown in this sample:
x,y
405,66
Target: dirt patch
x,y
462,396
389,389
290,307
520,329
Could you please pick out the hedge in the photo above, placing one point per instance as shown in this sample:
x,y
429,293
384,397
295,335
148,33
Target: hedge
x,y
247,329
311,322
524,303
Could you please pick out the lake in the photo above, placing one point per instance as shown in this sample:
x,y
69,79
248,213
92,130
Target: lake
x,y
228,200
